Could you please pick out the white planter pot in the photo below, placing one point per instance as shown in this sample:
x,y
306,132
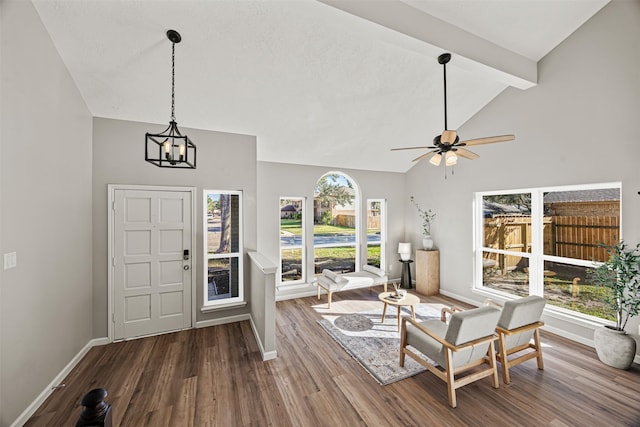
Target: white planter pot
x,y
427,243
614,348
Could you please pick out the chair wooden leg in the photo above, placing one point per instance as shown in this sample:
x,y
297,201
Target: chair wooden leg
x,y
536,340
451,390
494,366
403,342
329,293
504,360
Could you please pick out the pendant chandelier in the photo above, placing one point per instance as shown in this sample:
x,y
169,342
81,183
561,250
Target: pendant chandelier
x,y
171,149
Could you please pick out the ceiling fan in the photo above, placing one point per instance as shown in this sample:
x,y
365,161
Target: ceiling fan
x,y
448,144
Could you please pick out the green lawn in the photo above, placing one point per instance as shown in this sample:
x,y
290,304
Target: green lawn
x,y
294,227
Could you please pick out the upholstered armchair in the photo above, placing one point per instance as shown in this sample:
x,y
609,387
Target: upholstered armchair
x,y
518,324
464,343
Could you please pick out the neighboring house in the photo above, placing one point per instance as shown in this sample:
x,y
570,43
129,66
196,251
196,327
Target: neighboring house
x,y
288,212
604,202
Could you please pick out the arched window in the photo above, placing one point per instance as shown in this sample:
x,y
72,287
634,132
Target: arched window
x,y
336,216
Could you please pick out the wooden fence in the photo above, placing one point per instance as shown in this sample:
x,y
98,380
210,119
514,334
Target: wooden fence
x,y
566,236
373,222
580,236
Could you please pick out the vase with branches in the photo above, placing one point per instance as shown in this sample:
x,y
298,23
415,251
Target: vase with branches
x,y
428,217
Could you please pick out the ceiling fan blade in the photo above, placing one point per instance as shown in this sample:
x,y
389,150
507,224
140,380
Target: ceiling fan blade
x,y
425,155
412,148
487,140
448,136
466,153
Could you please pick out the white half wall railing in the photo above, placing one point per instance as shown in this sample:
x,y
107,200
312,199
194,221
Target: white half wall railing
x,y
263,304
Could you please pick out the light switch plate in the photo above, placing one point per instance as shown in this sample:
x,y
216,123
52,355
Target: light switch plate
x,y
10,260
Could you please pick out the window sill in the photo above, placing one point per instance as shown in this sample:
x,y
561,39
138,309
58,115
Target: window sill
x,y
225,306
553,311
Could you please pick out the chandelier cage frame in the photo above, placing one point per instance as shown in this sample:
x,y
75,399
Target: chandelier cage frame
x,y
170,148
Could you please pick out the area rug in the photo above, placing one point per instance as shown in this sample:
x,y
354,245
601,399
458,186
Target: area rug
x,y
375,345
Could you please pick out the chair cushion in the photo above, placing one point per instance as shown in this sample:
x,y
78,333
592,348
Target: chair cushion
x,y
335,277
424,343
375,270
470,325
328,284
521,312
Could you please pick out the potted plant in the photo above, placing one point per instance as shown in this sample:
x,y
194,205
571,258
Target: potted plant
x,y
621,274
428,217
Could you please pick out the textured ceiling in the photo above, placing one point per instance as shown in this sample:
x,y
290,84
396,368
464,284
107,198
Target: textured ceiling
x,y
335,83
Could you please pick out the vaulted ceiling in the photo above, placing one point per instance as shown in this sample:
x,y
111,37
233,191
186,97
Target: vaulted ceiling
x,y
333,83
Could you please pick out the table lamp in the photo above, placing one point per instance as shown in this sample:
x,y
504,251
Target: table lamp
x,y
404,249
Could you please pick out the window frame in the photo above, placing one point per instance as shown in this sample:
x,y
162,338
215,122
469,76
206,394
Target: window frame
x,y
383,231
239,255
302,246
536,257
357,202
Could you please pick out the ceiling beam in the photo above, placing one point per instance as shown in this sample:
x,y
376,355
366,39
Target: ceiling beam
x,y
481,56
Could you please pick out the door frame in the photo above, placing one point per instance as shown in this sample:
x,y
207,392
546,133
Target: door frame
x,y
112,188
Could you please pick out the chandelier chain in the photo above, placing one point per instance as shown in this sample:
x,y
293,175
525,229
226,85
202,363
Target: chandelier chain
x,y
173,74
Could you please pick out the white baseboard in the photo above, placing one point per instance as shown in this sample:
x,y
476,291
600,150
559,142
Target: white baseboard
x,y
460,297
265,355
33,407
568,335
299,294
223,320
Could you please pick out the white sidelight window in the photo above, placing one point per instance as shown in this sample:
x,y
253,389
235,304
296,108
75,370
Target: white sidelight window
x,y
223,247
376,232
292,241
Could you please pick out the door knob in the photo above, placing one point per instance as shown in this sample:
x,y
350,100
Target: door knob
x,y
186,267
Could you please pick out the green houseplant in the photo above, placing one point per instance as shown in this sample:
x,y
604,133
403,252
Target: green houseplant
x,y
621,274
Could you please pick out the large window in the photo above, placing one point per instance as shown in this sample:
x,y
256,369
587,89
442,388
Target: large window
x,y
292,241
545,241
335,217
376,232
223,247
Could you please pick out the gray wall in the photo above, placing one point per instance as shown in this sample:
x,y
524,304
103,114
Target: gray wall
x,y
45,214
225,162
277,180
579,125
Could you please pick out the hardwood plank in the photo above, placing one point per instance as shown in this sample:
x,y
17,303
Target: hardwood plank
x,y
214,377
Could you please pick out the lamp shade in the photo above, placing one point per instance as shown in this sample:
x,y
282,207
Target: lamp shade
x,y
435,160
404,249
450,158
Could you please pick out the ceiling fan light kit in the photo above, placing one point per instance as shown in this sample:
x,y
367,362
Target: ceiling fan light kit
x,y
450,158
448,143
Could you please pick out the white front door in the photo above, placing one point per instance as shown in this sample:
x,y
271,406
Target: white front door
x,y
151,272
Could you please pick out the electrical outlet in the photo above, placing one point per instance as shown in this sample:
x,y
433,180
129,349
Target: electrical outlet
x,y
390,268
10,260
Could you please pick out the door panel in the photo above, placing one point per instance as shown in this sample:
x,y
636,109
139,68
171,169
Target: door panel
x,y
152,288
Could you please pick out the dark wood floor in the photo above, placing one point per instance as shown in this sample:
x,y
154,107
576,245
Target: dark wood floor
x,y
215,377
